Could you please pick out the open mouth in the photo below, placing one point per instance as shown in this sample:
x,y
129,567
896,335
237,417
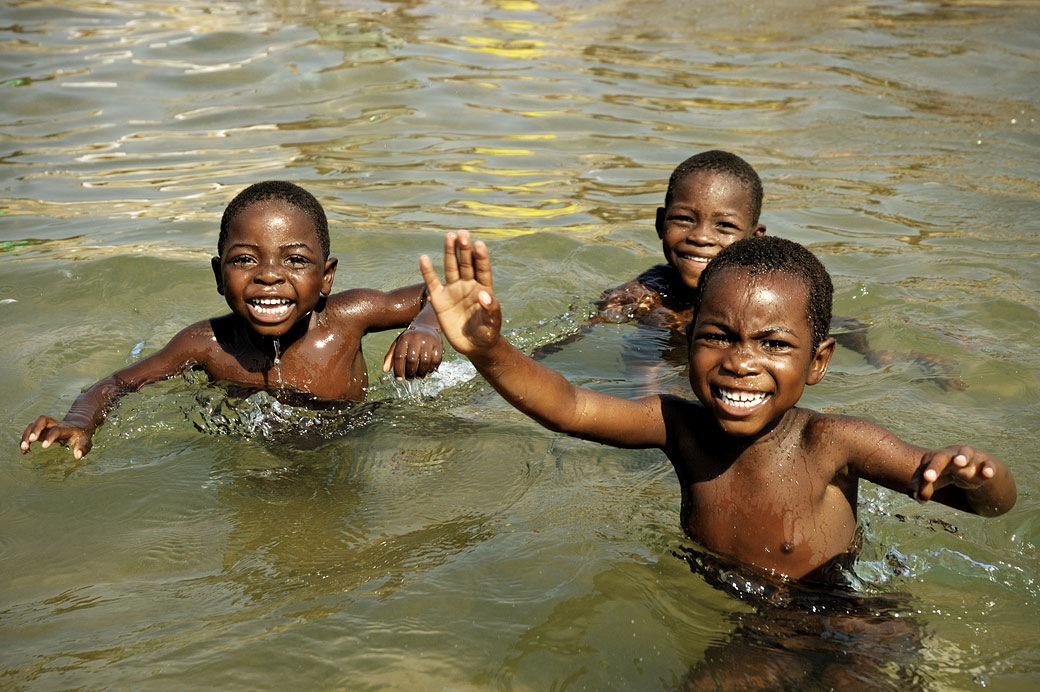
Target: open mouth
x,y
740,400
693,258
269,309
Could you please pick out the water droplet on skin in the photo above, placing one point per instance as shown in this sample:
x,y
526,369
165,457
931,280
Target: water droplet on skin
x,y
278,361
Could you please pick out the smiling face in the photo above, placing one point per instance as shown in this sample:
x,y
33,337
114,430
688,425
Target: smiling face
x,y
708,211
751,349
272,271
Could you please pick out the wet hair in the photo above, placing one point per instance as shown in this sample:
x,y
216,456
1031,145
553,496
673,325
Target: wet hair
x,y
772,254
724,163
291,194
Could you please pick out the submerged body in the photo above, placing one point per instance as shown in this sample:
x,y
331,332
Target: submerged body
x,y
764,482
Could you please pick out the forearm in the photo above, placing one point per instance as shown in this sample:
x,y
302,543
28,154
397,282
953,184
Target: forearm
x,y
534,389
427,317
91,407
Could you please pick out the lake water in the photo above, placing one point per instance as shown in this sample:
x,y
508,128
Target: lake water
x,y
434,538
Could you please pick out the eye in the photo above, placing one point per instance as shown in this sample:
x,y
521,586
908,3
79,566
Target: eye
x,y
776,345
713,338
241,260
297,261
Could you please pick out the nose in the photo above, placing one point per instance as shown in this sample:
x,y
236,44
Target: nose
x,y
740,361
269,273
702,233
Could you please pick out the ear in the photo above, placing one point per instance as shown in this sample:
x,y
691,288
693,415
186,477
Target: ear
x,y
659,222
760,230
215,263
820,361
330,273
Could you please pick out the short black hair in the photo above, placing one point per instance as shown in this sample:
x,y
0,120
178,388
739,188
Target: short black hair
x,y
772,254
291,194
725,163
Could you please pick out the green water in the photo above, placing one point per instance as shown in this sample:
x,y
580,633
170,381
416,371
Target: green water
x,y
436,539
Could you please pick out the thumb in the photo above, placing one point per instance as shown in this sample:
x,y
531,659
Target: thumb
x,y
429,275
388,359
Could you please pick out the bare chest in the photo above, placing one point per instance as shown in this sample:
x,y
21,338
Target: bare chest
x,y
324,365
790,515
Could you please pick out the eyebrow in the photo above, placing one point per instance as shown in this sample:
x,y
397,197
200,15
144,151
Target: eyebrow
x,y
287,246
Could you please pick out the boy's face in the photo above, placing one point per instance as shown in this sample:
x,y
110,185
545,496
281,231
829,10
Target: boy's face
x,y
708,212
272,272
751,351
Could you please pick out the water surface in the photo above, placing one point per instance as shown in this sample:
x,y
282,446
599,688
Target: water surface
x,y
434,538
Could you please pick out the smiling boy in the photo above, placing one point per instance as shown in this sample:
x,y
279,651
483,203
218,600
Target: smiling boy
x,y
763,482
285,332
713,199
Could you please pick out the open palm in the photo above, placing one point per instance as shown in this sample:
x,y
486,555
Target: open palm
x,y
465,303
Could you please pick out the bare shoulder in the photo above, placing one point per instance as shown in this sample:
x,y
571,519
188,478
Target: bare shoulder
x,y
685,420
196,337
869,450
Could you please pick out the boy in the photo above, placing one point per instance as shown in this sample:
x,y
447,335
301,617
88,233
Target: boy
x,y
763,482
713,199
284,331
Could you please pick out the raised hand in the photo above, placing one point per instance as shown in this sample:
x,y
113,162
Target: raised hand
x,y
465,303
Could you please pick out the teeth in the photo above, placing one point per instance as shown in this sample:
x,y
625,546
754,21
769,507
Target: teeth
x,y
270,306
741,399
692,258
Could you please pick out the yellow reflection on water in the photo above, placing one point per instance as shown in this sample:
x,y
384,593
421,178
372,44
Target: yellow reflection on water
x,y
506,211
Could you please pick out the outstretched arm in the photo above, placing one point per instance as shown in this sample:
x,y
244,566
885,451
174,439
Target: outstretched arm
x,y
471,318
961,477
77,428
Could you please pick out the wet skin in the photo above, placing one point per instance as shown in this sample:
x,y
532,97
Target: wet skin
x,y
708,212
764,482
284,332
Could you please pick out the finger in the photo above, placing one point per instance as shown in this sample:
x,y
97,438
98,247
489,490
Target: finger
x,y
465,256
927,473
482,264
33,430
423,368
429,275
50,436
414,361
400,363
451,262
388,359
81,446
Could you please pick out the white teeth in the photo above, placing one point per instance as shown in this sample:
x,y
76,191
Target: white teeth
x,y
692,258
270,306
741,399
